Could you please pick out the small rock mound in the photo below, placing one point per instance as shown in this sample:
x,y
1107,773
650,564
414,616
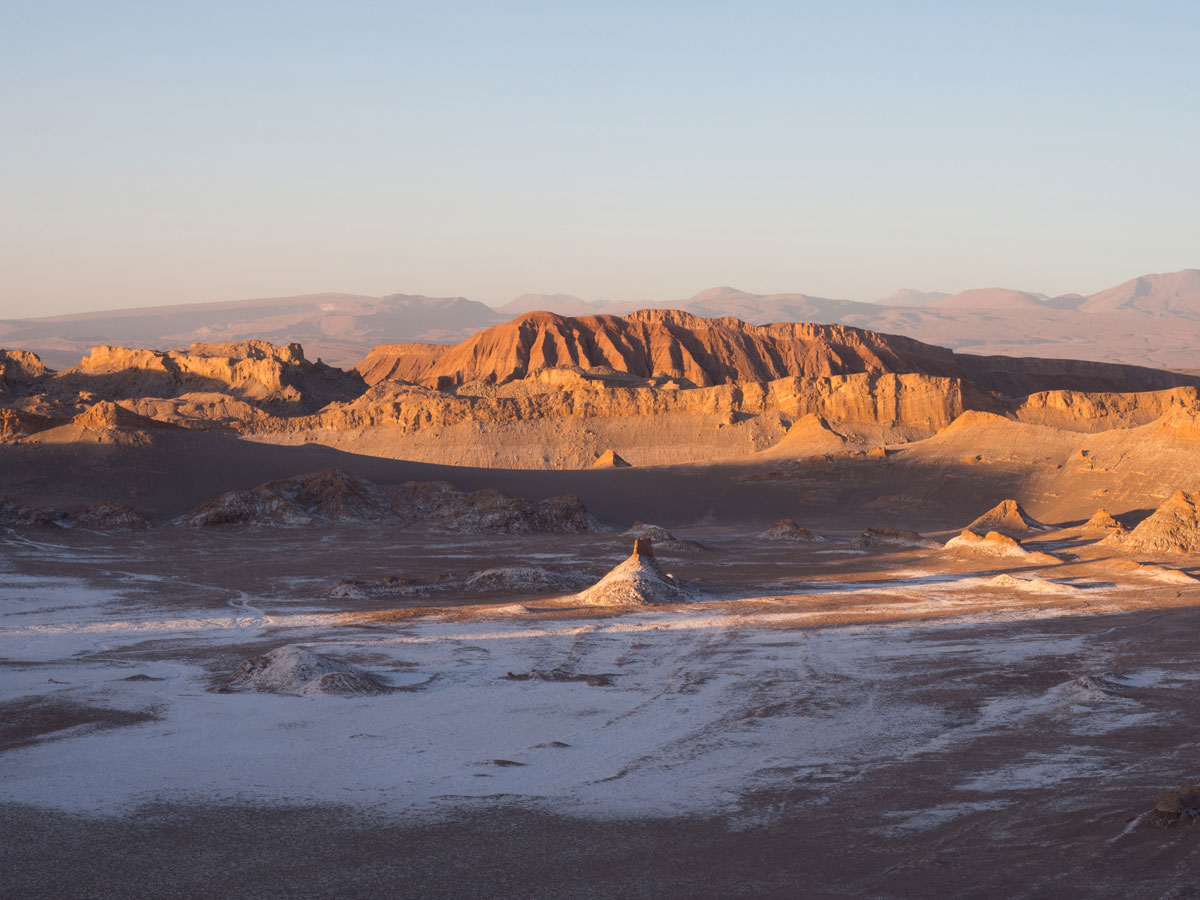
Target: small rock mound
x,y
525,579
108,517
1172,528
1157,573
521,578
1091,689
14,514
664,541
1033,585
1007,517
300,672
1175,808
788,530
891,537
996,544
1102,520
610,459
636,582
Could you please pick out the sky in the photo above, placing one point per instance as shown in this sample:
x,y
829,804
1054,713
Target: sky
x,y
177,152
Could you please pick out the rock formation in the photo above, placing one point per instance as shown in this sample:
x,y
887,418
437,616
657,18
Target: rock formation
x,y
788,530
663,540
1032,585
1102,520
278,380
1172,528
1175,809
14,514
19,370
637,581
1007,517
16,424
891,537
438,506
704,352
107,517
336,496
332,495
996,544
107,415
301,672
610,459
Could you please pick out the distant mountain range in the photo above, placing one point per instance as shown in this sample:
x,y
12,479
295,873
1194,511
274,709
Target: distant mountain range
x,y
1150,320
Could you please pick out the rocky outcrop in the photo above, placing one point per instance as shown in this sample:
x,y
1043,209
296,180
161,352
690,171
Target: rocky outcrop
x,y
610,459
1102,520
329,496
103,516
637,582
107,517
107,415
675,344
705,352
662,540
278,379
996,544
1175,809
504,579
1172,528
438,506
18,515
891,538
335,496
16,424
20,370
301,672
1007,517
788,530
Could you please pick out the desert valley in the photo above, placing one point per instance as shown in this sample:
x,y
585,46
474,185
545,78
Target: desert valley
x,y
652,604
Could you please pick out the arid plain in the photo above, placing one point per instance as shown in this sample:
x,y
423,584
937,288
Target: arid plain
x,y
648,605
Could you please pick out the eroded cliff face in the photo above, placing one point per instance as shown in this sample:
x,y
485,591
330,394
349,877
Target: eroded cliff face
x,y
706,352
271,378
654,343
546,391
20,369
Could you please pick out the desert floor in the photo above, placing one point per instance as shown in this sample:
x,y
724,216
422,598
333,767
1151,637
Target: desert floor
x,y
825,721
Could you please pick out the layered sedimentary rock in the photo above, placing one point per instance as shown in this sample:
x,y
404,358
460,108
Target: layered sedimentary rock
x,y
547,391
704,352
273,378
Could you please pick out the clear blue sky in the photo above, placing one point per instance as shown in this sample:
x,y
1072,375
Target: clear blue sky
x,y
175,151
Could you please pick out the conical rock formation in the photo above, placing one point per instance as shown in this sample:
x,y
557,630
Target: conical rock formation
x,y
1007,517
636,582
1102,520
610,459
1172,528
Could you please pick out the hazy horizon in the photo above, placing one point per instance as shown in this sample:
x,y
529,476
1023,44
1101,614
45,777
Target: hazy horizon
x,y
167,154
